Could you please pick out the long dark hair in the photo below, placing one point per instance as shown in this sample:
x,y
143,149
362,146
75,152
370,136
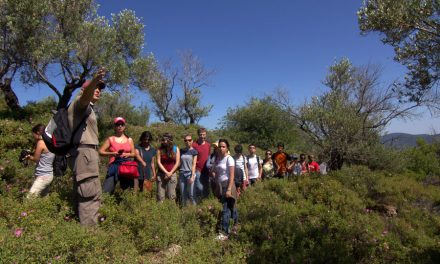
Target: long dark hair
x,y
145,135
39,129
167,148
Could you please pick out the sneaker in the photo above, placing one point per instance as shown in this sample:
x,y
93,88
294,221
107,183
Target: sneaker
x,y
222,237
235,229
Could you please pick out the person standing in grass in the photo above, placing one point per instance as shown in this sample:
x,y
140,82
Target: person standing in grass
x,y
280,159
254,164
223,171
168,161
202,182
145,154
187,175
268,168
44,169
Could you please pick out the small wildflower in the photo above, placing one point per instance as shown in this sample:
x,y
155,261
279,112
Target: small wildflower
x,y
23,214
18,232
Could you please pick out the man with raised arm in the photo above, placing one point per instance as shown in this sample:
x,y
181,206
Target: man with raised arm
x,y
83,159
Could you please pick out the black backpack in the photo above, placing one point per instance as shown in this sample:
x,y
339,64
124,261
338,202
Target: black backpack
x,y
58,136
238,174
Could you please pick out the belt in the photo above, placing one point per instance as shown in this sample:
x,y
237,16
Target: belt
x,y
95,147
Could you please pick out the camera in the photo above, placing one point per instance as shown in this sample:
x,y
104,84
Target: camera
x,y
23,154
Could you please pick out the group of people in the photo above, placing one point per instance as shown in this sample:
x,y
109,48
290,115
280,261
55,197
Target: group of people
x,y
197,168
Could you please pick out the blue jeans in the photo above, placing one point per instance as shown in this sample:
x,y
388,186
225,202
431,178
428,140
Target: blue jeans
x,y
186,189
202,186
229,211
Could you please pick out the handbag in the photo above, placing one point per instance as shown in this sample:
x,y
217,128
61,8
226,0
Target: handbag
x,y
128,169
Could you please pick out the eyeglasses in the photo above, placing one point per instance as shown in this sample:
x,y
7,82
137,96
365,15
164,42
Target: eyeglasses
x,y
187,140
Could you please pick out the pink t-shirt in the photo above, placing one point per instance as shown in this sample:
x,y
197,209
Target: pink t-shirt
x,y
202,157
115,147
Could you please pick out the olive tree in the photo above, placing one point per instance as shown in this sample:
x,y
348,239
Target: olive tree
x,y
412,28
345,121
69,39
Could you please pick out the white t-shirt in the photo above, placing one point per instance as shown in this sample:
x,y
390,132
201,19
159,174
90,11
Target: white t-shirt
x,y
240,163
222,168
253,166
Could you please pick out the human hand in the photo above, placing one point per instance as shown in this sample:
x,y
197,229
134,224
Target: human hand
x,y
99,76
228,193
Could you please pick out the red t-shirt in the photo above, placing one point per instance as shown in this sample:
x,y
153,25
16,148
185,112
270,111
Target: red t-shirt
x,y
313,166
202,157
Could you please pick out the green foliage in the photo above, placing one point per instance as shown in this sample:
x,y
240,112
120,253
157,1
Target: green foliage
x,y
338,218
114,104
344,122
263,123
412,28
425,158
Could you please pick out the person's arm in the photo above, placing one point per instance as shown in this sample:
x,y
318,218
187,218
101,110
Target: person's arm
x,y
139,158
193,169
38,150
231,179
103,150
88,92
260,168
176,166
159,163
246,173
153,169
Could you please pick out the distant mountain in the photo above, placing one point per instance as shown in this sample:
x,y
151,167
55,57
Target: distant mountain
x,y
402,140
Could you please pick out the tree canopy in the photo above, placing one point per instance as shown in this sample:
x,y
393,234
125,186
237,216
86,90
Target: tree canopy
x,y
69,39
412,28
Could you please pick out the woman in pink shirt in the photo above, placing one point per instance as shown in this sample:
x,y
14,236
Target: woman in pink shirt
x,y
118,147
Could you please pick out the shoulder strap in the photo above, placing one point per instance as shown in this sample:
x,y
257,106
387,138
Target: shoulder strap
x,y
78,126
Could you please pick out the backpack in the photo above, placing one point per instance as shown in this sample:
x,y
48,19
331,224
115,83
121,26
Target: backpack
x,y
59,165
238,174
58,136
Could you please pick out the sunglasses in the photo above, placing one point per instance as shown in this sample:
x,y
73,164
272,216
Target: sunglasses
x,y
187,140
119,124
268,153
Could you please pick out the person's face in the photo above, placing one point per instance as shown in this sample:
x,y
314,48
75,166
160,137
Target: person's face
x,y
165,141
311,158
268,155
96,95
202,136
252,150
36,136
302,158
188,141
223,148
280,148
119,127
145,141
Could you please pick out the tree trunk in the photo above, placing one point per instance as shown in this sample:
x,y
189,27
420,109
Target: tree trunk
x,y
10,96
67,94
336,160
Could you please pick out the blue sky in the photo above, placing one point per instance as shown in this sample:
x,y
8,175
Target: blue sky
x,y
256,46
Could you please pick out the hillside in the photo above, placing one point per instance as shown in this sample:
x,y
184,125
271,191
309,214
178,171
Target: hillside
x,y
403,140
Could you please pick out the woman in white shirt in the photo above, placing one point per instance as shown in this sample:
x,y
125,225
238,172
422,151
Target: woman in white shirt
x,y
224,175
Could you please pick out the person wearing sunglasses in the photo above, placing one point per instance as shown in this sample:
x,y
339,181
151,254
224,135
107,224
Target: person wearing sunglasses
x,y
187,175
168,161
268,167
83,159
118,147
